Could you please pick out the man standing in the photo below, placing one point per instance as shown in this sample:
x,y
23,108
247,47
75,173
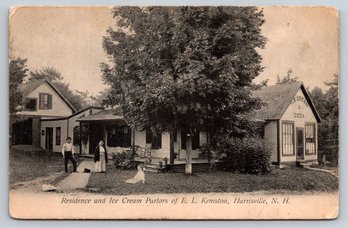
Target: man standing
x,y
68,154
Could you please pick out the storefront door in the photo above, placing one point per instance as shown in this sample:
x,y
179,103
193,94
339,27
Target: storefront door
x,y
299,144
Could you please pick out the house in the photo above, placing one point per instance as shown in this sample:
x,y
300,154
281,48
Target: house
x,y
288,114
42,100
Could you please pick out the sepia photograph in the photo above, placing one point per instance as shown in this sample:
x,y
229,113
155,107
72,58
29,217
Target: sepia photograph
x,y
173,113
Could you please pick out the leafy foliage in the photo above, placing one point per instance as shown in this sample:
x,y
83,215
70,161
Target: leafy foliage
x,y
288,78
81,136
245,155
76,98
124,160
327,106
189,68
17,72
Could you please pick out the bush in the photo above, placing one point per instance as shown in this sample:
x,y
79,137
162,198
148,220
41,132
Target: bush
x,y
246,155
124,160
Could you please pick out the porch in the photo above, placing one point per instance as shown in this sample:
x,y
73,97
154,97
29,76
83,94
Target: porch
x,y
118,137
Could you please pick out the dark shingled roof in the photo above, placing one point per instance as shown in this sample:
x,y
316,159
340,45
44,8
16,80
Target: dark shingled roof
x,y
277,99
27,88
102,115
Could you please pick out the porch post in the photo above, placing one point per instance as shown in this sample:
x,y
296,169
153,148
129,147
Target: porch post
x,y
171,147
80,132
208,142
133,140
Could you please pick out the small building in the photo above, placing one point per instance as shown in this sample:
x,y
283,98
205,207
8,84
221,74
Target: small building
x,y
291,123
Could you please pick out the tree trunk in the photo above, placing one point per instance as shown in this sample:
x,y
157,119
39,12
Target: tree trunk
x,y
188,165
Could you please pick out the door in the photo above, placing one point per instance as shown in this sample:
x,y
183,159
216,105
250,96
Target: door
x,y
96,134
299,144
49,138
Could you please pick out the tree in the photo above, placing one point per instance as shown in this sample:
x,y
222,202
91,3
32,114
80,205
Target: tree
x,y
17,72
288,78
188,68
327,106
76,98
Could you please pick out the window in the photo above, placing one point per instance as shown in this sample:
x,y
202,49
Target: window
x,y
154,139
45,101
195,140
58,135
288,139
30,104
310,139
118,136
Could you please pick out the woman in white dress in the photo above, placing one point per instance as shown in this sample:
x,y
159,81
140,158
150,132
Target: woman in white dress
x,y
139,177
100,158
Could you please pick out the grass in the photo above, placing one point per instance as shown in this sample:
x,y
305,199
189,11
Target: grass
x,y
290,179
29,162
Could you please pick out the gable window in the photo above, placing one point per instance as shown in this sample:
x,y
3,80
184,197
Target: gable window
x,y
288,139
45,101
30,104
310,139
155,139
118,136
195,140
58,135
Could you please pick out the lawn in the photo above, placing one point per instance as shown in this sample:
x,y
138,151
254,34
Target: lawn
x,y
29,162
290,179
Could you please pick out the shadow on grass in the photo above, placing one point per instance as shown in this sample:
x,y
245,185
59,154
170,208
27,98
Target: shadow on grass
x,y
29,162
291,179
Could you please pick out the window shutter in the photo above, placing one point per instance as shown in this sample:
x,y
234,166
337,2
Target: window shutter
x,y
195,141
40,101
183,140
49,106
148,136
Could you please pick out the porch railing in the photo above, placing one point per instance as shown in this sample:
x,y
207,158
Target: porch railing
x,y
142,152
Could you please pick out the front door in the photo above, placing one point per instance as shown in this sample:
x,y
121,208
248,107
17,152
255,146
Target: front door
x,y
299,143
49,138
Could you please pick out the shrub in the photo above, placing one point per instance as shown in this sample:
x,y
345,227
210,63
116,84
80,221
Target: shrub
x,y
124,160
246,155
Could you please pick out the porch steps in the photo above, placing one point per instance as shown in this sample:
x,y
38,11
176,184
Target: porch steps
x,y
304,164
180,168
152,168
196,167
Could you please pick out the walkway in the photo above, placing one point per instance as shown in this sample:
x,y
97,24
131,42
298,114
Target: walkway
x,y
333,172
77,180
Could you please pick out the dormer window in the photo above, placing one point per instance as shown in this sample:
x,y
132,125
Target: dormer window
x,y
30,104
45,101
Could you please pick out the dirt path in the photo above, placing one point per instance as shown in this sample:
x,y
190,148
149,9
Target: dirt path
x,y
78,180
333,172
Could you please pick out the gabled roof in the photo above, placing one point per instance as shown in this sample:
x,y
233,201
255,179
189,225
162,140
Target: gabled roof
x,y
277,99
102,115
27,88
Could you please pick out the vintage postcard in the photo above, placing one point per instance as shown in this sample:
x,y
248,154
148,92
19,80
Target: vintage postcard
x,y
173,112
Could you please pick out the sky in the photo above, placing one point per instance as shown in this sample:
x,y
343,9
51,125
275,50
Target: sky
x,y
70,40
